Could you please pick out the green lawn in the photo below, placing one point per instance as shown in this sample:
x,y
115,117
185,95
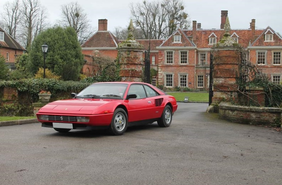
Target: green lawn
x,y
192,96
13,118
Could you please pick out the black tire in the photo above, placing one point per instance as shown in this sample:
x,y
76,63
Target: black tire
x,y
166,118
119,122
62,130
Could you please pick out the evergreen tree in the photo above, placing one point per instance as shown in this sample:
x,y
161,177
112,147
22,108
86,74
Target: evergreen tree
x,y
64,57
3,68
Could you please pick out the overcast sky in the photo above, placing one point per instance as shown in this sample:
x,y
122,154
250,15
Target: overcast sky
x,y
206,12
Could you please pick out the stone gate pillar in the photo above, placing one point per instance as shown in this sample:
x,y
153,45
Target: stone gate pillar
x,y
226,64
131,58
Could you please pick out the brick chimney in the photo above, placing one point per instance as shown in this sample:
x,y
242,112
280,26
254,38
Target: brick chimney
x,y
194,30
103,25
253,27
224,14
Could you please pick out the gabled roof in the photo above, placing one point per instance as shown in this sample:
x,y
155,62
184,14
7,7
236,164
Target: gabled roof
x,y
260,41
101,39
152,42
202,36
10,42
185,41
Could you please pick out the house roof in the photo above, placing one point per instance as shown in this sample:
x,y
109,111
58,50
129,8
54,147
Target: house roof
x,y
101,39
152,42
10,42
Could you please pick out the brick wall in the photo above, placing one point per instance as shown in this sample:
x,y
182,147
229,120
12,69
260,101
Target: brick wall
x,y
250,115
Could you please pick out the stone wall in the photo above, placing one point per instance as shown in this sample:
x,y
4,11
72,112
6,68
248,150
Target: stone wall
x,y
251,115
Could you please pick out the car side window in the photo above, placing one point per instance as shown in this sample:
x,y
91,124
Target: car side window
x,y
138,90
150,92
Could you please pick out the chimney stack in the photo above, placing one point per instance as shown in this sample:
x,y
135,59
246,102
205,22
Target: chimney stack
x,y
103,25
224,15
253,27
194,30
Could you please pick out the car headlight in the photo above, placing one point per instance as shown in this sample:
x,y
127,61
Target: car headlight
x,y
82,119
44,117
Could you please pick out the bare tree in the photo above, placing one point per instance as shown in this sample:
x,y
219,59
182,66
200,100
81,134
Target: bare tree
x,y
74,16
122,33
34,20
159,20
11,18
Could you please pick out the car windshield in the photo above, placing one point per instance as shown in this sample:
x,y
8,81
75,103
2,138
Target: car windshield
x,y
103,90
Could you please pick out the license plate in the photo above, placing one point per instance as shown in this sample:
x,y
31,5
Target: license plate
x,y
63,125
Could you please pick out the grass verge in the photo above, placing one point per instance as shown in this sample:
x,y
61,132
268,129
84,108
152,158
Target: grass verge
x,y
192,96
14,118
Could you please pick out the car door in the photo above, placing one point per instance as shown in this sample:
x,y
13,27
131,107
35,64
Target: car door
x,y
155,107
138,107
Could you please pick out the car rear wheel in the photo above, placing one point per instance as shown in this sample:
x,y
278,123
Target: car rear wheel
x,y
119,122
166,118
62,130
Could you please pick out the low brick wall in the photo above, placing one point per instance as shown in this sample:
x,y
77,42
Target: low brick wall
x,y
251,115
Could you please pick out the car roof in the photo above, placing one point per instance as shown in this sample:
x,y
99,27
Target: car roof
x,y
129,83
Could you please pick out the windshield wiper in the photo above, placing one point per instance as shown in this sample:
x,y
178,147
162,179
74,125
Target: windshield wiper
x,y
111,95
89,96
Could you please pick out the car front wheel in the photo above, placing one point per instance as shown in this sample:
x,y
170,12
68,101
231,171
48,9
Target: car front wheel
x,y
166,118
119,122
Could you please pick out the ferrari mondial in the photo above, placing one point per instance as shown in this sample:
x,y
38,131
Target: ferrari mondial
x,y
112,105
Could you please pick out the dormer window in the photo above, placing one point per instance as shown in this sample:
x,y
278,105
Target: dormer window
x,y
1,36
177,38
268,36
212,39
235,37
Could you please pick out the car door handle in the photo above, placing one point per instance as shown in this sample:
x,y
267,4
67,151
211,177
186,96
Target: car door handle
x,y
149,102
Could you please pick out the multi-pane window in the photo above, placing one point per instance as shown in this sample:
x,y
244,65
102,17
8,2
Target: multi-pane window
x,y
169,57
261,57
235,39
268,37
200,81
153,60
212,40
177,38
1,36
168,80
7,57
183,80
276,57
276,79
183,57
202,58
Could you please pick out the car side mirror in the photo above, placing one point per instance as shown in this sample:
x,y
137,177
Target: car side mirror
x,y
131,96
73,95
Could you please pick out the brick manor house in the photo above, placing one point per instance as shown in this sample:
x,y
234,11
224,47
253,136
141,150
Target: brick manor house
x,y
183,58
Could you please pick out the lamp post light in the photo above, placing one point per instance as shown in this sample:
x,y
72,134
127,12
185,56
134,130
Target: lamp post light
x,y
44,50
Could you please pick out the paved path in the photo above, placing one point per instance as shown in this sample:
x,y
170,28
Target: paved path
x,y
198,149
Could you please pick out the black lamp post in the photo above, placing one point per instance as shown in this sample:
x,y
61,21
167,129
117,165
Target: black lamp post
x,y
44,50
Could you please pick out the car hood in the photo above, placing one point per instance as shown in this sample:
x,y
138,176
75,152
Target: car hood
x,y
78,106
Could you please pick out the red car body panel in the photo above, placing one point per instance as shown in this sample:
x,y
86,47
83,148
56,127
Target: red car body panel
x,y
100,111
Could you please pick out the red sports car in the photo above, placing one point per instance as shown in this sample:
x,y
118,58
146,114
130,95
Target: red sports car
x,y
114,105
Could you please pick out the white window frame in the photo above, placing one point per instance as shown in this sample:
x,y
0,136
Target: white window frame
x,y
177,38
172,79
204,61
179,79
235,37
166,53
212,39
7,56
273,58
199,82
273,78
265,54
153,60
1,36
180,57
